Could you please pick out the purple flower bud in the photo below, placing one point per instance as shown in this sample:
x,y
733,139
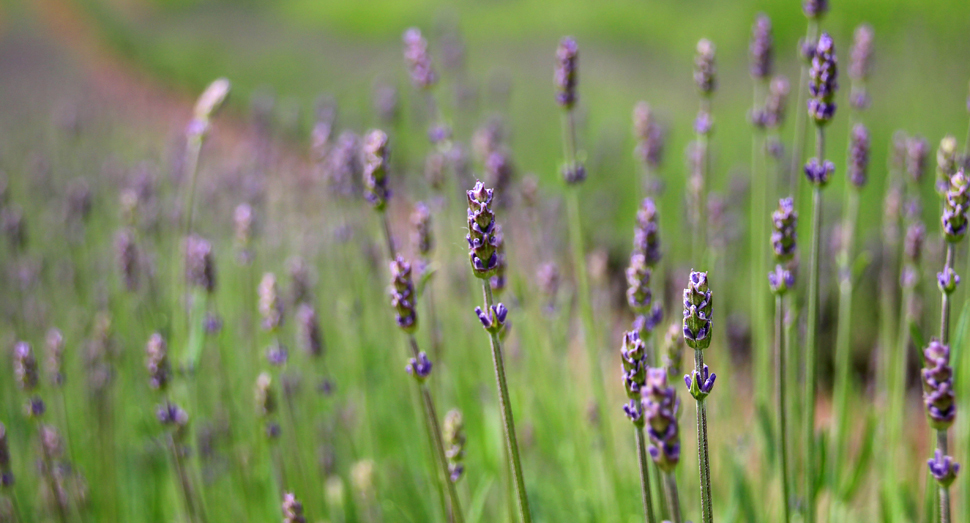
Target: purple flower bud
x,y
776,102
648,320
573,172
823,81
806,49
698,312
649,134
35,407
819,173
498,280
937,376
815,8
403,298
421,231
633,356
493,319
705,68
565,76
700,384
704,123
858,155
646,234
638,292
171,414
419,367
780,280
947,280
943,468
277,354
761,48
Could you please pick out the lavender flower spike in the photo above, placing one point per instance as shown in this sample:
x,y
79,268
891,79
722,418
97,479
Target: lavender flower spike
x,y
199,265
646,234
376,152
705,68
25,366
819,173
402,295
761,48
937,377
823,81
860,65
292,509
943,468
955,205
270,304
156,360
481,232
454,439
783,237
661,407
419,367
54,362
698,312
566,73
946,163
638,294
917,151
781,279
308,326
858,155
418,60
6,474
815,8
633,357
701,383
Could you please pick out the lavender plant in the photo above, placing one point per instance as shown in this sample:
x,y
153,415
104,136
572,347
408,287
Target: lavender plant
x,y
705,78
485,261
698,316
633,355
823,84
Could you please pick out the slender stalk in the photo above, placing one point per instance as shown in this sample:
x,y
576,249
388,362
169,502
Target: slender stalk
x,y
673,497
842,339
781,379
811,352
388,239
703,460
193,148
431,416
941,443
508,423
644,477
184,485
759,243
941,436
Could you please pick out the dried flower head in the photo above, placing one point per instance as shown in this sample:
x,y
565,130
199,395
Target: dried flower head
x,y
25,366
376,153
946,163
454,438
200,269
292,509
761,48
823,81
54,363
705,68
156,360
212,99
311,339
270,305
565,76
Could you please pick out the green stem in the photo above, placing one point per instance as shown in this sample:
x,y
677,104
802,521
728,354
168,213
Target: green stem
x,y
941,437
508,423
703,460
644,477
780,363
811,352
759,243
941,443
843,350
673,497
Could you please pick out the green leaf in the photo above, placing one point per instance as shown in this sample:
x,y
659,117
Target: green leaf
x,y
916,334
862,261
425,278
764,422
861,465
960,335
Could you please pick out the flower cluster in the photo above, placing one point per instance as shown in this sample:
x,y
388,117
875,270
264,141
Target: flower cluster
x,y
819,173
292,509
698,309
418,60
823,81
761,48
946,163
661,408
402,295
937,376
772,115
955,204
633,355
646,234
481,232
566,74
376,153
498,280
25,366
858,155
156,360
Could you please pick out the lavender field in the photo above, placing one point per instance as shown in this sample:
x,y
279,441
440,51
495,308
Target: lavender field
x,y
484,261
